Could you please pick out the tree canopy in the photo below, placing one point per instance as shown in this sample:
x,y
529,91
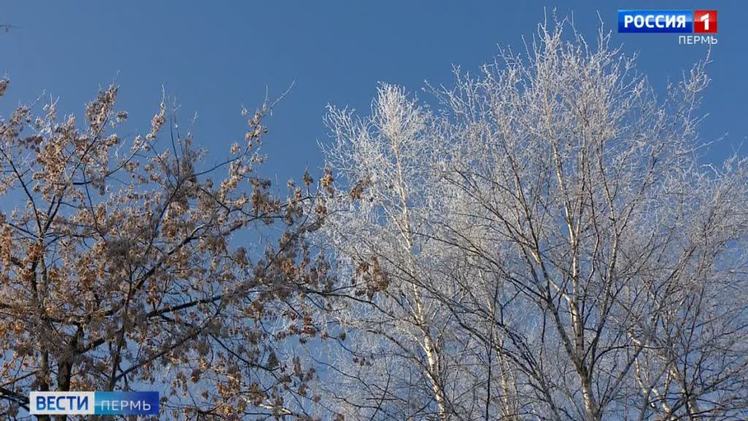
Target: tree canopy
x,y
539,241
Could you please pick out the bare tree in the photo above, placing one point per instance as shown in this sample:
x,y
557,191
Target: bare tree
x,y
120,268
545,244
388,262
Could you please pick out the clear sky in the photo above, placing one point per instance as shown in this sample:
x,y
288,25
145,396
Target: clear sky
x,y
216,56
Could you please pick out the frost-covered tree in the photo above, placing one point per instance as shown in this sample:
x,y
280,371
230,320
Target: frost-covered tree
x,y
398,338
545,242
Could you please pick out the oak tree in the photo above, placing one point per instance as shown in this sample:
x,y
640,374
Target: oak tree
x,y
131,263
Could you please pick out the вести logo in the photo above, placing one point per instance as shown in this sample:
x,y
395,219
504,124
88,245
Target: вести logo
x,y
93,403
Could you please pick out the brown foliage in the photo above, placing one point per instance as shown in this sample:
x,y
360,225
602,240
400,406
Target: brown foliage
x,y
119,264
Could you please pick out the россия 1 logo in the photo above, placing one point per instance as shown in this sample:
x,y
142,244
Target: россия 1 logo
x,y
701,22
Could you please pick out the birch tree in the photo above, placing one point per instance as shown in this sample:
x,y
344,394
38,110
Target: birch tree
x,y
388,262
545,243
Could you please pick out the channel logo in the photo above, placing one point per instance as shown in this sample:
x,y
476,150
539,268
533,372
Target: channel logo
x,y
667,21
705,21
93,403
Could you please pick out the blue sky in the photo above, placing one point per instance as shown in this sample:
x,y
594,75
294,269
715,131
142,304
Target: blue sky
x,y
217,56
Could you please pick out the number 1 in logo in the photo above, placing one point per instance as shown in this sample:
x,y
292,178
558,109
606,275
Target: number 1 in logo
x,y
705,21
